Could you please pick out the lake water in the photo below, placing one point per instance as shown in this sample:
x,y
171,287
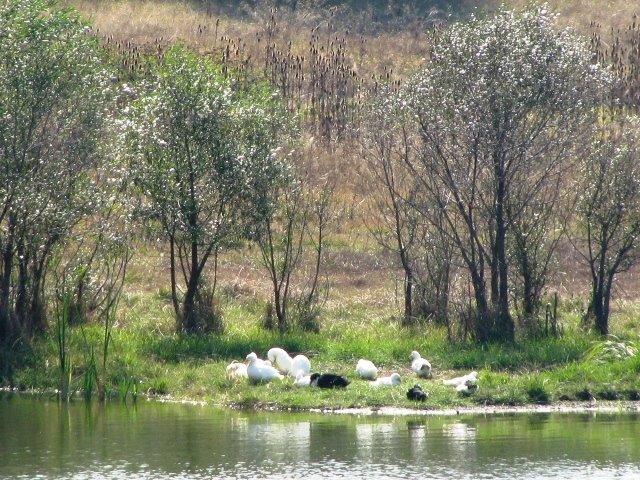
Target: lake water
x,y
47,439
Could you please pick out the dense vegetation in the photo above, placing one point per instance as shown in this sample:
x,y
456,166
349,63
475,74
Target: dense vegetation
x,y
478,166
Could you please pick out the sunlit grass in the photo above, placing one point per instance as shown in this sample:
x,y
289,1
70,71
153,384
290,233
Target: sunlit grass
x,y
193,367
362,322
359,319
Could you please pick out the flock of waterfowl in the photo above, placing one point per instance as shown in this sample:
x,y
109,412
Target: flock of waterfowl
x,y
280,364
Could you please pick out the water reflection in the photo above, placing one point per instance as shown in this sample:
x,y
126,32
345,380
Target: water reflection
x,y
152,440
460,432
271,440
417,434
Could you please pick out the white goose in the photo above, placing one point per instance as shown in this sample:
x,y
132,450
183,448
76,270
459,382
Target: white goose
x,y
366,369
236,370
393,379
302,380
300,363
286,364
258,372
456,382
420,366
468,387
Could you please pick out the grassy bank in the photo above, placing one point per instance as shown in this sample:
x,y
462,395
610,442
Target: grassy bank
x,y
146,358
359,318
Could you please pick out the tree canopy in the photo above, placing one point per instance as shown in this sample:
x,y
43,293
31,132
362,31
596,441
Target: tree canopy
x,y
53,96
499,111
206,155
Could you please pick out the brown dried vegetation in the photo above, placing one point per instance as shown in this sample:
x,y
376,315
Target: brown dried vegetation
x,y
325,71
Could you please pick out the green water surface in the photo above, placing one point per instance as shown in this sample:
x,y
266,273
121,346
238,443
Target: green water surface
x,y
47,439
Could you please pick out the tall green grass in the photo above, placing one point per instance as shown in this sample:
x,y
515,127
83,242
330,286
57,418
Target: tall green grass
x,y
62,335
147,357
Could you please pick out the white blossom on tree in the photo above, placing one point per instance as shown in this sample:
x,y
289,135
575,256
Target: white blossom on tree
x,y
204,153
608,186
53,92
500,108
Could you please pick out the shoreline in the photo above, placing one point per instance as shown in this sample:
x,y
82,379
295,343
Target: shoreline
x,y
388,410
560,407
489,410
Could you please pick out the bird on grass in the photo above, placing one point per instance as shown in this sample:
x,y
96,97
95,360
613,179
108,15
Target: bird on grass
x,y
302,380
420,366
287,365
258,372
455,382
328,380
416,393
236,370
393,379
469,387
366,369
465,385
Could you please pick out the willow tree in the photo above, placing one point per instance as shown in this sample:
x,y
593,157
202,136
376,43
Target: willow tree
x,y
609,212
387,141
52,107
500,107
205,156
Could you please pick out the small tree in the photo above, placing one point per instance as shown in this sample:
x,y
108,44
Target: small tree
x,y
205,157
52,106
537,212
609,212
400,218
387,141
280,239
323,212
499,107
302,212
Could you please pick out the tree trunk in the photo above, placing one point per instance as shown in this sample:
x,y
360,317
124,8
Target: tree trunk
x,y
601,322
22,289
189,315
504,323
281,310
599,301
528,292
189,320
442,296
6,329
408,297
600,307
174,286
495,276
483,317
37,319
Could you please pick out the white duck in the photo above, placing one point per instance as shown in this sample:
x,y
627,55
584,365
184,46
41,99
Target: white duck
x,y
236,370
419,365
393,379
258,372
286,364
468,387
300,363
302,380
366,369
456,382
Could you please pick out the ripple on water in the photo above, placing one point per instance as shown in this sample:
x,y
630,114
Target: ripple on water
x,y
163,441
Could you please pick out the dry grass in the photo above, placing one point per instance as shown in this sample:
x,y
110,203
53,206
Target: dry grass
x,y
207,30
579,14
358,270
204,28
